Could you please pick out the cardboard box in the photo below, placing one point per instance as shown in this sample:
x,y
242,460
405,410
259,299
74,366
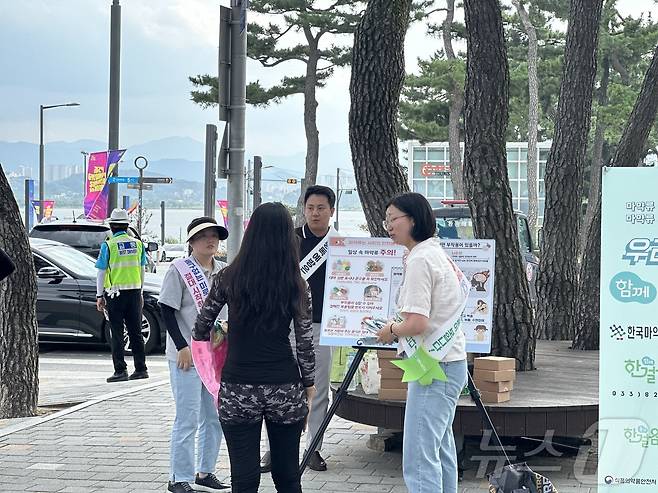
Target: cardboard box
x,y
494,386
390,372
495,397
494,376
387,354
495,363
392,383
393,394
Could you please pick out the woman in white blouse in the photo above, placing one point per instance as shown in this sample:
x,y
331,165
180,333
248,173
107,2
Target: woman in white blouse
x,y
431,298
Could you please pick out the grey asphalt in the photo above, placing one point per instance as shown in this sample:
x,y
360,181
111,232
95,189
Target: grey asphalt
x,y
116,438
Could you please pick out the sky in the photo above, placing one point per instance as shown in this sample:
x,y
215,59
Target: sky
x,y
58,51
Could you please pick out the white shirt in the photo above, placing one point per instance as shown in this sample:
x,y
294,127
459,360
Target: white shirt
x,y
431,288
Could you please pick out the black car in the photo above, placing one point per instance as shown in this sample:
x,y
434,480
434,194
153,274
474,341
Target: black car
x,y
66,298
86,236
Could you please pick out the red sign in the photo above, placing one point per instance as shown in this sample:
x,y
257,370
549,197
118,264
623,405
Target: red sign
x,y
428,169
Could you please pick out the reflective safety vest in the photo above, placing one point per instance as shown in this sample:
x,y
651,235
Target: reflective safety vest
x,y
125,267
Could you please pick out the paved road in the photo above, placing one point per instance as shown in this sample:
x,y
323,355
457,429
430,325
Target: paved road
x,y
70,374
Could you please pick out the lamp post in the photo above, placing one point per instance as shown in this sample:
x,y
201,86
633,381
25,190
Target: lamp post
x,y
42,170
85,154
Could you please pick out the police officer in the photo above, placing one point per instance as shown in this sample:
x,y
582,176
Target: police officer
x,y
119,284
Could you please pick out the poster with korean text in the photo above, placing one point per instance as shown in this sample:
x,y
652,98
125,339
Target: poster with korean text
x,y
362,281
477,260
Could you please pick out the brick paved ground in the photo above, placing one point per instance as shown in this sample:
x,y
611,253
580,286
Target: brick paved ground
x,y
122,444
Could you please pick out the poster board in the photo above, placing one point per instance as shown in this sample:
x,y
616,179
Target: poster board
x,y
477,260
363,279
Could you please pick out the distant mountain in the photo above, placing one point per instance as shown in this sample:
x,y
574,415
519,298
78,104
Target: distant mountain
x,y
179,157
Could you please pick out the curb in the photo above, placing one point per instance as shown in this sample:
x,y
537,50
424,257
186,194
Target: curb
x,y
32,421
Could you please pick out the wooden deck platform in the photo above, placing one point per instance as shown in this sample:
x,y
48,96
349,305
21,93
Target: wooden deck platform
x,y
562,395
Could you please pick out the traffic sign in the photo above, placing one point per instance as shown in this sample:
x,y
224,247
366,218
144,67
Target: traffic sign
x,y
123,179
161,179
291,181
137,186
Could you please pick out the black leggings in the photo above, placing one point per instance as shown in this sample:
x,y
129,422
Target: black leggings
x,y
242,409
243,442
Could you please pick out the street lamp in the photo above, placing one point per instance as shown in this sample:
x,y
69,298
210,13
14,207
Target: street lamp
x,y
85,154
42,170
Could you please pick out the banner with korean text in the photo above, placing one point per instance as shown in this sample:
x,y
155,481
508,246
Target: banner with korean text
x,y
99,167
361,285
628,391
363,279
477,260
48,207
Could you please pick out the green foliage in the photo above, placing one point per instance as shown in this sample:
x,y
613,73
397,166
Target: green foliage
x,y
425,99
278,41
629,42
628,45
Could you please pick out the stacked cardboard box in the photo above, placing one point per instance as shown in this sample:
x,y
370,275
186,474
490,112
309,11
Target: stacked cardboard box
x,y
391,386
494,377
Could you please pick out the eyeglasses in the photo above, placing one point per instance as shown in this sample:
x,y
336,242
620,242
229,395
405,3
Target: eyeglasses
x,y
387,222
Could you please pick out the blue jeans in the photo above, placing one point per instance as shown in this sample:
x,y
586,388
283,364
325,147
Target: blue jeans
x,y
195,411
429,460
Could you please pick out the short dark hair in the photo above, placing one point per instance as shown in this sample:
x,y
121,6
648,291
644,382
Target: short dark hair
x,y
321,190
419,209
118,227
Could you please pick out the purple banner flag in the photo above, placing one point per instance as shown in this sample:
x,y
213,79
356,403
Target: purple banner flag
x,y
99,167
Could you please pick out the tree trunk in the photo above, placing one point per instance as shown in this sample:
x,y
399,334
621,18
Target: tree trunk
x,y
533,115
597,158
630,152
455,110
487,183
19,354
310,128
375,85
558,270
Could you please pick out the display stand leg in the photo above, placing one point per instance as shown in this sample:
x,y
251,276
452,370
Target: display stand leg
x,y
342,390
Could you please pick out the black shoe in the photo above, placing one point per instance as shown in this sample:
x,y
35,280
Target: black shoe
x,y
210,483
139,375
119,376
266,463
316,462
179,487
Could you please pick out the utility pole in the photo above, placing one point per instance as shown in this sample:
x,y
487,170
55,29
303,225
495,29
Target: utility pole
x,y
258,175
115,84
337,197
209,181
162,222
28,208
233,75
84,172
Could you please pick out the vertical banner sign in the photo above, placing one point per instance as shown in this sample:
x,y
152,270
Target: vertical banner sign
x,y
361,286
223,208
30,197
477,260
628,390
99,167
49,206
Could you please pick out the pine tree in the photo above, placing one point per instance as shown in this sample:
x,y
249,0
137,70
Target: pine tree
x,y
19,350
487,183
270,44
